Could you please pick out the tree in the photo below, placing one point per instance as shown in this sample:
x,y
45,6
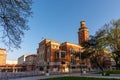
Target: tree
x,y
112,37
13,21
94,49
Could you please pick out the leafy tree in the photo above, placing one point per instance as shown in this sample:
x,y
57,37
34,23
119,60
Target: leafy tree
x,y
13,21
94,49
112,37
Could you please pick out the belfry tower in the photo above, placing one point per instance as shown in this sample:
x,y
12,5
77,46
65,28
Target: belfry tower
x,y
83,33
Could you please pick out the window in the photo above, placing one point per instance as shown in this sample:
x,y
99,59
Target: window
x,y
73,67
55,47
63,55
48,52
62,62
60,55
57,55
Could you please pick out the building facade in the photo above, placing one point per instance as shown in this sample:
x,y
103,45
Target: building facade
x,y
21,59
8,65
12,62
3,55
53,56
83,33
30,62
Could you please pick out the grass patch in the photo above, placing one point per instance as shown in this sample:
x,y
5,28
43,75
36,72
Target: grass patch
x,y
77,78
113,71
107,73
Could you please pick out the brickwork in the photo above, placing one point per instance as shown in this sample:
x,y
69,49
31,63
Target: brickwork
x,y
59,57
3,55
83,33
30,62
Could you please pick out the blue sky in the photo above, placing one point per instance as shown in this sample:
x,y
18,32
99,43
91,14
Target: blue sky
x,y
60,19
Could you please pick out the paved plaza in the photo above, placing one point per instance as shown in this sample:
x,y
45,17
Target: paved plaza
x,y
117,76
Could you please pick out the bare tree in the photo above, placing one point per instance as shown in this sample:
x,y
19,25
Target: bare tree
x,y
13,21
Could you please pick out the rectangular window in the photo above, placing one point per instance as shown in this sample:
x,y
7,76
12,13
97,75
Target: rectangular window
x,y
63,55
62,62
57,47
48,52
60,55
57,55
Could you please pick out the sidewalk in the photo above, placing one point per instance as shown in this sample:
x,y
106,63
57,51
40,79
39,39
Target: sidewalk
x,y
62,75
38,77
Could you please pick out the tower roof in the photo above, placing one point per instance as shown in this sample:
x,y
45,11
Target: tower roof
x,y
82,24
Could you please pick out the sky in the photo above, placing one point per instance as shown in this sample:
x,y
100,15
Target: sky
x,y
60,19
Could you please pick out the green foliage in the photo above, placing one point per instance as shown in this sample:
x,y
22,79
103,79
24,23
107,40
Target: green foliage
x,y
77,78
106,38
94,49
113,71
107,73
112,38
104,73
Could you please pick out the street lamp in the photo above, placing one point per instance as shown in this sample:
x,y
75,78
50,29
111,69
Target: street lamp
x,y
80,62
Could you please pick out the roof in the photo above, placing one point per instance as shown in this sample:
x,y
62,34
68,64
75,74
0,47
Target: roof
x,y
70,43
49,40
32,55
2,49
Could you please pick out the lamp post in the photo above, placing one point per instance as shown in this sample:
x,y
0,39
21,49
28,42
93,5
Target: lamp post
x,y
80,63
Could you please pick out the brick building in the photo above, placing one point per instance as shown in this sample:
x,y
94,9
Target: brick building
x,y
30,62
53,56
7,65
83,33
3,55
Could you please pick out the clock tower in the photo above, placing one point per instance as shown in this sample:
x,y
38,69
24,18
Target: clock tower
x,y
83,33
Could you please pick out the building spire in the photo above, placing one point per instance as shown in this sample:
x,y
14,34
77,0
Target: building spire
x,y
83,33
82,24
